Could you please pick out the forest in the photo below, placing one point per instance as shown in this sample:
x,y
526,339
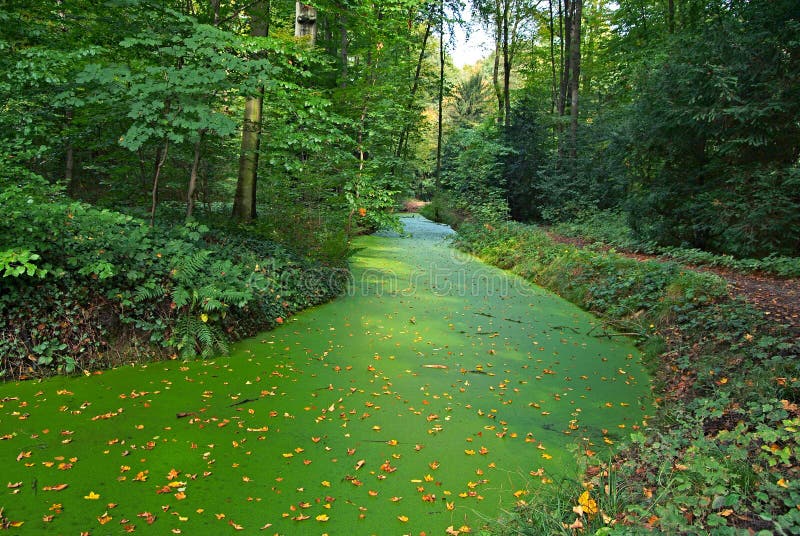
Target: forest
x,y
177,175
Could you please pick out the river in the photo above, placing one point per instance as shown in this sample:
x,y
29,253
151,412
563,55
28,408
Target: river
x,y
437,394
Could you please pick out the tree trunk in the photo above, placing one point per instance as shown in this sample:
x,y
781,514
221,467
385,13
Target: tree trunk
x,y
305,22
498,38
554,104
215,11
161,157
671,16
344,48
244,202
565,23
506,68
441,96
575,52
69,157
193,177
414,87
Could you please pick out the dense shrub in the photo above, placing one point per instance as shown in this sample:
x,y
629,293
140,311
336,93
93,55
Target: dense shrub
x,y
82,286
611,228
472,184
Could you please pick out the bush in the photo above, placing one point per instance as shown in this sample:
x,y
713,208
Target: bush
x,y
610,228
83,285
472,188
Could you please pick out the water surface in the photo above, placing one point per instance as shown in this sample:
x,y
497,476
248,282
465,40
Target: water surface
x,y
438,393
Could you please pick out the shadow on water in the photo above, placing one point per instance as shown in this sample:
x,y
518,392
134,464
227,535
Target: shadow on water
x,y
438,392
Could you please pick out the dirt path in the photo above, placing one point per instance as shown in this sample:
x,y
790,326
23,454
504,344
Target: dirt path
x,y
778,298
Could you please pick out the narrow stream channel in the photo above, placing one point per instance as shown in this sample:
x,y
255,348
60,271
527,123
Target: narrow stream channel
x,y
438,393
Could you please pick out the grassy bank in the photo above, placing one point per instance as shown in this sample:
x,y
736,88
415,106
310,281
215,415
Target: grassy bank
x,y
610,228
720,455
84,288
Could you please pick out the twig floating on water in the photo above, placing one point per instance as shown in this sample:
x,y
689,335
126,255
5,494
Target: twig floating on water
x,y
240,402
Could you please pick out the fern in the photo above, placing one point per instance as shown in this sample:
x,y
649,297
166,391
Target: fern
x,y
188,267
148,291
181,296
192,337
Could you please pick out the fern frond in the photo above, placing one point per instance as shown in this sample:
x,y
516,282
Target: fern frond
x,y
150,290
187,268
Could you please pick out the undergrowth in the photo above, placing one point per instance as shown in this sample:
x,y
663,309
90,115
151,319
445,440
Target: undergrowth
x,y
610,228
84,288
721,454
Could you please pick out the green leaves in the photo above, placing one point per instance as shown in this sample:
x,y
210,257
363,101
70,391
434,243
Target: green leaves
x,y
20,263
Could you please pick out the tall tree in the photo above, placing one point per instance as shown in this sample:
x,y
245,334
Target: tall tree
x,y
440,98
507,19
305,21
244,201
575,76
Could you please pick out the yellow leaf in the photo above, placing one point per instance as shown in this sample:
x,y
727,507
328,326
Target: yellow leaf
x,y
322,517
92,496
404,519
587,503
204,317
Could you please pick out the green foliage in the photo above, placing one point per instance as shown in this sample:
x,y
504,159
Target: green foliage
x,y
721,451
20,263
527,193
472,175
687,124
713,141
610,228
173,288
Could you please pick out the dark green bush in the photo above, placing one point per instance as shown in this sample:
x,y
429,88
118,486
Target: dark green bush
x,y
93,282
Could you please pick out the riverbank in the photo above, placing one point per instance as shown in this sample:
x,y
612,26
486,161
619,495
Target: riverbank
x,y
721,454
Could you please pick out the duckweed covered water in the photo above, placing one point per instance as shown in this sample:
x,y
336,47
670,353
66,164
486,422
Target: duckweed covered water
x,y
437,394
